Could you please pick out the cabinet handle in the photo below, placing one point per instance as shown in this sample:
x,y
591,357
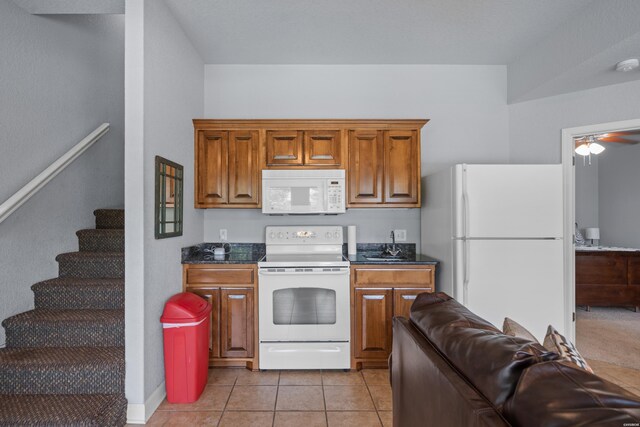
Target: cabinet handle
x,y
284,157
409,296
236,296
373,296
322,157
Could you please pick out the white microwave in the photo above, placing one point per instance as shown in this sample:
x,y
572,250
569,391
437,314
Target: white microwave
x,y
303,191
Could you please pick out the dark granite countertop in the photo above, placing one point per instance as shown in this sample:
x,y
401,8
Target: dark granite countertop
x,y
239,253
251,253
408,251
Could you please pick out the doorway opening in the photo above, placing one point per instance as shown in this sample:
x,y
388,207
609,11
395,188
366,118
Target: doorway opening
x,y
602,281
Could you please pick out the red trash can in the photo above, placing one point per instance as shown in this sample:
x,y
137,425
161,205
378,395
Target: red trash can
x,y
185,323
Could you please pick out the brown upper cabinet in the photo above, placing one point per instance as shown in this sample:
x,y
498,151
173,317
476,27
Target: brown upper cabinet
x,y
381,158
384,168
401,167
315,148
227,172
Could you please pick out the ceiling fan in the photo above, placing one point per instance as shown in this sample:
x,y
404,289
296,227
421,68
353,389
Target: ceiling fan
x,y
588,144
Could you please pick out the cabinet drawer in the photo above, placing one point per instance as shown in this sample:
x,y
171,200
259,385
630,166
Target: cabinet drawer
x,y
397,276
220,276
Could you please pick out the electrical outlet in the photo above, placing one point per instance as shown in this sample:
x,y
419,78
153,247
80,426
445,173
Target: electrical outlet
x,y
401,235
223,234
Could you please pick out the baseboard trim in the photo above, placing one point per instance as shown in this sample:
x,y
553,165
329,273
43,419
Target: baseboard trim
x,y
140,413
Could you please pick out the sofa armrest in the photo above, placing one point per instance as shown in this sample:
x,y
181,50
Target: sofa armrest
x,y
426,389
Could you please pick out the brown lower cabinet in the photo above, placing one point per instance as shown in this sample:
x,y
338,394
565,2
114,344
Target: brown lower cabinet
x,y
378,293
231,290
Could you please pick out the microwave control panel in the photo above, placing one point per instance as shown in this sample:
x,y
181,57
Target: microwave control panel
x,y
335,196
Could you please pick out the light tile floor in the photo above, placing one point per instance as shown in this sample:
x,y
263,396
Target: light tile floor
x,y
239,397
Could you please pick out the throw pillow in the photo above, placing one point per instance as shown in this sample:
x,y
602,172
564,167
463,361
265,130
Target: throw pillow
x,y
514,329
556,342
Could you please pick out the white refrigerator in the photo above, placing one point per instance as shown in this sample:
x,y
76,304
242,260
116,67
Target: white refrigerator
x,y
497,232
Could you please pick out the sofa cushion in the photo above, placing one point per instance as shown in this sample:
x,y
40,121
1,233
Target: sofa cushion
x,y
514,329
561,394
490,360
555,341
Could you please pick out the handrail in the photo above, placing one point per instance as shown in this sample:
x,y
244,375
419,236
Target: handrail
x,y
33,186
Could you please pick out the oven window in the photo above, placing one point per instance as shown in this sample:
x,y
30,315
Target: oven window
x,y
304,306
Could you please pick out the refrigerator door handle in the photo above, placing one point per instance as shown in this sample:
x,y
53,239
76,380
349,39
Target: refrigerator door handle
x,y
465,204
465,272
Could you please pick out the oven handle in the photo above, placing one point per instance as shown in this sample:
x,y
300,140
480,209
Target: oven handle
x,y
344,272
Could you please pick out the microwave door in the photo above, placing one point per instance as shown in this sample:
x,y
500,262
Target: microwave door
x,y
286,192
289,198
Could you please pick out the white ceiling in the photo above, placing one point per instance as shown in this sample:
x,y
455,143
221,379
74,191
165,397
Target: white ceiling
x,y
368,31
550,46
55,7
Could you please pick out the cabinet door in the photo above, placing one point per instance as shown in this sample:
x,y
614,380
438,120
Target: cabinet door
x,y
373,323
284,148
403,299
365,167
401,167
236,322
213,296
244,171
322,148
211,168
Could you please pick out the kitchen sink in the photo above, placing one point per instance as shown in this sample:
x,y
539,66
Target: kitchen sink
x,y
386,258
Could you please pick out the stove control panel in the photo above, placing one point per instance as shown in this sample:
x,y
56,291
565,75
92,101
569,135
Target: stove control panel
x,y
304,234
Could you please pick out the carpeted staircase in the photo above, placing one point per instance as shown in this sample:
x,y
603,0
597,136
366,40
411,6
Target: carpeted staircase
x,y
64,360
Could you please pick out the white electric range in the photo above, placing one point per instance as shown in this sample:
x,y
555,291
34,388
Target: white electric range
x,y
304,300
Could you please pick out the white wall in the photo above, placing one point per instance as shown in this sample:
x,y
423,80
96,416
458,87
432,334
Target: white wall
x,y
173,81
619,194
535,126
587,203
60,77
166,94
374,225
466,105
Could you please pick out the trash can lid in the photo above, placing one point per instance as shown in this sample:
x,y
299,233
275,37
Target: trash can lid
x,y
185,307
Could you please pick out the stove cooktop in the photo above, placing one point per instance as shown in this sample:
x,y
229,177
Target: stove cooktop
x,y
303,260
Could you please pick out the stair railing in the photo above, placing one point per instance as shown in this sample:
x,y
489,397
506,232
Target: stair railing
x,y
33,186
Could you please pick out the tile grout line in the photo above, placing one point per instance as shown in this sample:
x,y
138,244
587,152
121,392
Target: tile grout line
x,y
224,408
275,404
372,400
324,399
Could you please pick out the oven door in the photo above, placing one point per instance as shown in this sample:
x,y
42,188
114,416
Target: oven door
x,y
304,304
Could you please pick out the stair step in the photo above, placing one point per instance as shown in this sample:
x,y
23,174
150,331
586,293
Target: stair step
x,y
109,218
64,370
79,293
63,410
65,328
91,264
101,240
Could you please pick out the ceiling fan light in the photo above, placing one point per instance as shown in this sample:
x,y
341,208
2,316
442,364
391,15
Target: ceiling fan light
x,y
596,148
628,65
583,149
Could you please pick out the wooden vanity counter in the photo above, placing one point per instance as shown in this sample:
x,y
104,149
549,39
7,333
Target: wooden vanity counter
x,y
608,278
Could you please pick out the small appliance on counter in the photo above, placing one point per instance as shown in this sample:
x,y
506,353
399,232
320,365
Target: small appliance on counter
x,y
219,252
317,191
304,299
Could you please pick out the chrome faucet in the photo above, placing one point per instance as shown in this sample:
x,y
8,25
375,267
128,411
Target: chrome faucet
x,y
393,251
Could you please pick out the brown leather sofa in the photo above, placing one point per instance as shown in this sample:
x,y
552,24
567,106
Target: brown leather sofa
x,y
450,367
